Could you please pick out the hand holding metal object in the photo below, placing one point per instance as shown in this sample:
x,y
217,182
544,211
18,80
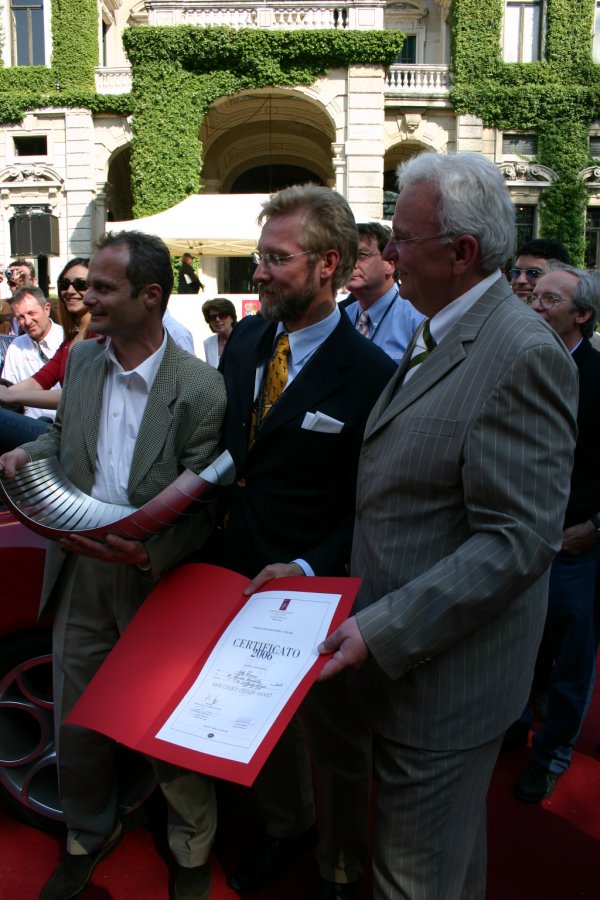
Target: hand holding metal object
x,y
44,499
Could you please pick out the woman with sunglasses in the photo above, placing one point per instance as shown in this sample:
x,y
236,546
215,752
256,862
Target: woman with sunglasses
x,y
39,390
220,316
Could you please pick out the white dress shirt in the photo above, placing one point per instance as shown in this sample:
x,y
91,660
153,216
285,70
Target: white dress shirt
x,y
124,401
442,322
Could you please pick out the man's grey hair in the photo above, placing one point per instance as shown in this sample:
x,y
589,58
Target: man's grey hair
x,y
586,295
474,200
29,290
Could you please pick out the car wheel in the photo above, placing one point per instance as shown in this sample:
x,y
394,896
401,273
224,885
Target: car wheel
x,y
28,775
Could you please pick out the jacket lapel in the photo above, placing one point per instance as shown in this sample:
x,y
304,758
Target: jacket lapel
x,y
322,375
256,354
90,404
397,396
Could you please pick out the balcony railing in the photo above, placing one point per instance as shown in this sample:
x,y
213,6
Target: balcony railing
x,y
418,81
285,16
110,80
402,80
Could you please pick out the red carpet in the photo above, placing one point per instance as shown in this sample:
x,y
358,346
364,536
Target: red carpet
x,y
547,851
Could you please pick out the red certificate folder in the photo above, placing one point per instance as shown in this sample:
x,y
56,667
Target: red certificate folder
x,y
159,656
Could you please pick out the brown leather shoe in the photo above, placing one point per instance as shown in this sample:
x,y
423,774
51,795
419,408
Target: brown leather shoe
x,y
75,870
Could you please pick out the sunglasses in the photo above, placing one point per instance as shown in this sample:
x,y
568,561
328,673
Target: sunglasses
x,y
531,275
78,284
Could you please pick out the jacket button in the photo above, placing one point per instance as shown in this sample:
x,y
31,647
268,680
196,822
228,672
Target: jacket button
x,y
241,482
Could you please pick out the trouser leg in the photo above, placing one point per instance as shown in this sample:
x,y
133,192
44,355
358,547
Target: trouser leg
x,y
94,603
430,821
570,631
340,743
191,813
284,786
340,747
17,429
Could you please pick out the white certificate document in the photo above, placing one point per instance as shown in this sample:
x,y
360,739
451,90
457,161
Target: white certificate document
x,y
251,673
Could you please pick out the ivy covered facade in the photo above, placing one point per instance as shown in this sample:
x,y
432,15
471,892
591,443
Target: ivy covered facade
x,y
111,109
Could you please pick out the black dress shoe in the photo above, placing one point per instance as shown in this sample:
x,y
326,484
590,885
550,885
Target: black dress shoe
x,y
331,890
74,871
269,861
536,783
191,884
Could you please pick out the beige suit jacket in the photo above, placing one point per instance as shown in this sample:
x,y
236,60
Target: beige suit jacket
x,y
180,429
462,486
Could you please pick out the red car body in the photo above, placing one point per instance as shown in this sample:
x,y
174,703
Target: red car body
x,y
28,779
22,554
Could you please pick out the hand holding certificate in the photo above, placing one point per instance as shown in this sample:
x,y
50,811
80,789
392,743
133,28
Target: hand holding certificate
x,y
208,679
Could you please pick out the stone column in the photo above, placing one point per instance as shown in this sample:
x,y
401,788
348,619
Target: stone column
x,y
364,143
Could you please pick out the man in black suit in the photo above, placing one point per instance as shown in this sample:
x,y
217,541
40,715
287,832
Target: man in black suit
x,y
569,300
291,511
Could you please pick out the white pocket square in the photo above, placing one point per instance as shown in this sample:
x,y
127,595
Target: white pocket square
x,y
320,422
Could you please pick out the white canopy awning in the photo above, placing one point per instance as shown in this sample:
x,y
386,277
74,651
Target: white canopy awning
x,y
205,224
209,224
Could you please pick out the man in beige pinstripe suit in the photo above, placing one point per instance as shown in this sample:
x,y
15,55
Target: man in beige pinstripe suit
x,y
462,486
133,414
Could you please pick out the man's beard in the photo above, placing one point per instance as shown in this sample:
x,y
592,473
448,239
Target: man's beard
x,y
286,306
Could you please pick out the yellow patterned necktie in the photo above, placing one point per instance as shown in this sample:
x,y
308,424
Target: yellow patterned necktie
x,y
274,382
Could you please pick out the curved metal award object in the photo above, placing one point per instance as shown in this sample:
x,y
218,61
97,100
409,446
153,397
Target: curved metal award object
x,y
44,499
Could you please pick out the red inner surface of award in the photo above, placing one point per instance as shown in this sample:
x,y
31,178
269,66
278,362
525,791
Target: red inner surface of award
x,y
161,654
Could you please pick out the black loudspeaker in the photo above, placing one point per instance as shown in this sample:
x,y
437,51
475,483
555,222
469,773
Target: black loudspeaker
x,y
34,235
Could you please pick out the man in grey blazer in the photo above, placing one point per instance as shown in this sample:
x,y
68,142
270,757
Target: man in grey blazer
x,y
133,414
462,487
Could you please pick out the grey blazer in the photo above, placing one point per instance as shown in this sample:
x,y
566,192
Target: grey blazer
x,y
462,487
181,428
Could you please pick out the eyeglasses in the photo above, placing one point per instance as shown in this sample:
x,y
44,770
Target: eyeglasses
x,y
213,316
416,240
531,275
78,284
272,259
548,301
366,254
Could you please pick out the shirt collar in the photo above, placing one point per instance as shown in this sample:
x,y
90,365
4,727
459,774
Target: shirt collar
x,y
576,346
443,320
146,370
307,340
44,342
378,309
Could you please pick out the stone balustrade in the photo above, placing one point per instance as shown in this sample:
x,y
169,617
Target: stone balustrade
x,y
418,81
112,80
401,80
284,16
